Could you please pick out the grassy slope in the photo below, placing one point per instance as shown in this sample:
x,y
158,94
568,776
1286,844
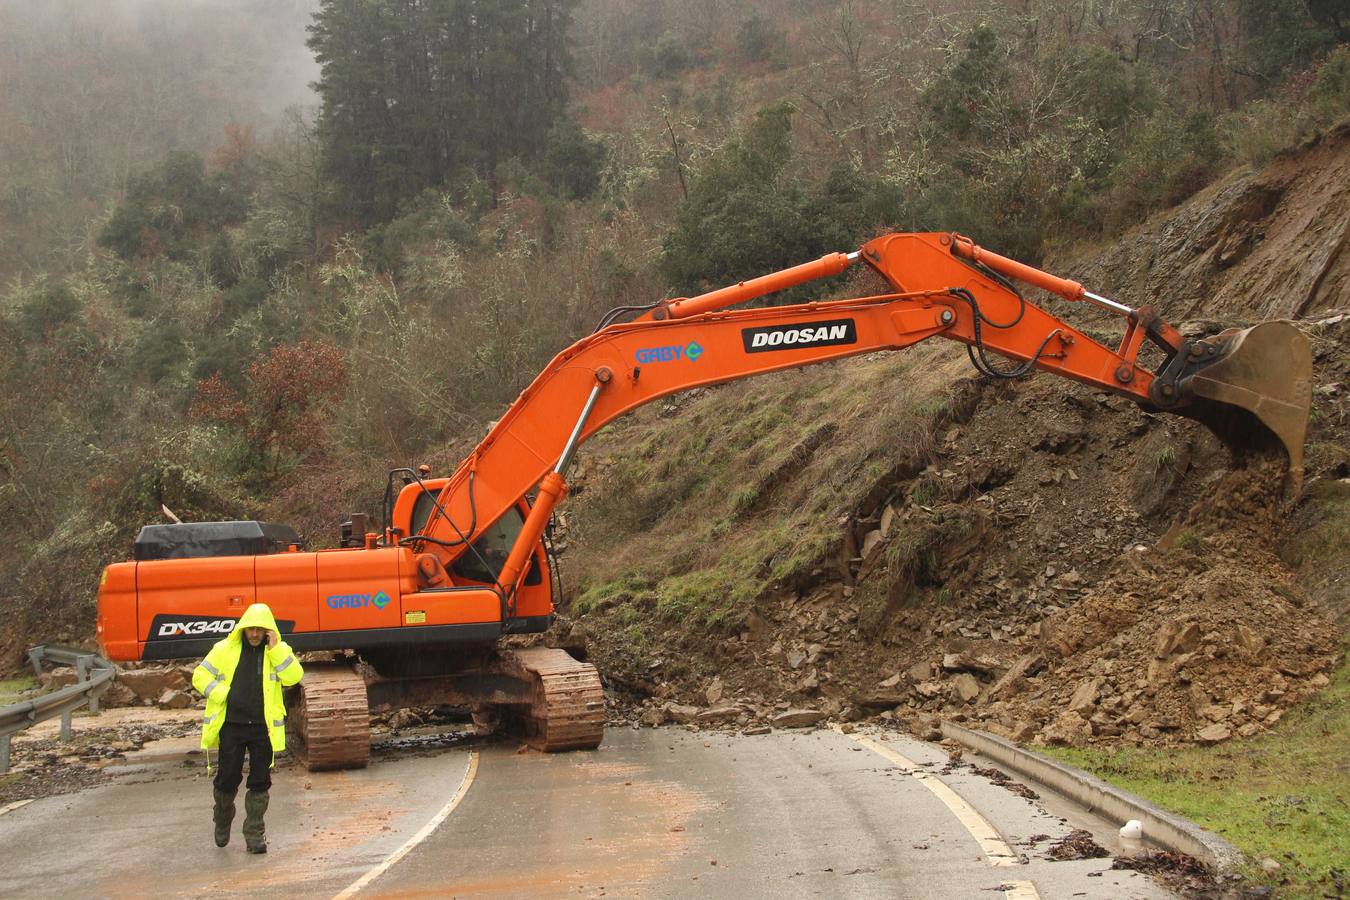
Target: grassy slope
x,y
1283,795
11,688
700,521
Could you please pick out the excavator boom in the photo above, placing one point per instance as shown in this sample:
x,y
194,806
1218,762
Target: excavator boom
x,y
943,285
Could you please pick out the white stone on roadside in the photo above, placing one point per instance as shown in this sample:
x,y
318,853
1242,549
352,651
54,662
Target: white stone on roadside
x,y
1133,830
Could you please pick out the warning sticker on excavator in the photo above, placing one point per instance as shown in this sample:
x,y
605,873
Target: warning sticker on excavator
x,y
415,617
807,334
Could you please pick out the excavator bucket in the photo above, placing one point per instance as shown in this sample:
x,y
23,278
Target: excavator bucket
x,y
1264,371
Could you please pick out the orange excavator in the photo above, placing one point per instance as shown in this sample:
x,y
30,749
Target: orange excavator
x,y
419,606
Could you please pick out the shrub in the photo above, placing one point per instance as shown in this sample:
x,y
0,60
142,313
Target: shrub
x,y
48,311
169,204
667,58
1329,97
573,161
758,40
746,216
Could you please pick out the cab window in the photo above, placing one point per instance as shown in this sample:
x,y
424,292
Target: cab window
x,y
422,510
494,546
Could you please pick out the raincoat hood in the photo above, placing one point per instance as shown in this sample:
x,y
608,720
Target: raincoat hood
x,y
259,615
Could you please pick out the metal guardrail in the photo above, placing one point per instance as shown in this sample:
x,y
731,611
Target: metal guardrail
x,y
95,675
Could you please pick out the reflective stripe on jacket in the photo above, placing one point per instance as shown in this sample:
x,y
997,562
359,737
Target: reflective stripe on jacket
x,y
213,676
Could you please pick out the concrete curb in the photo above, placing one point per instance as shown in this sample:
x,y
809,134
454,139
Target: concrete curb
x,y
1161,827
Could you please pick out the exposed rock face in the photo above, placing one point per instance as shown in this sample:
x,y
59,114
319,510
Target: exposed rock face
x,y
1270,244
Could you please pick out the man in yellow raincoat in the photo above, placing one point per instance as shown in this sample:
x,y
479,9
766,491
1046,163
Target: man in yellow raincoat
x,y
241,679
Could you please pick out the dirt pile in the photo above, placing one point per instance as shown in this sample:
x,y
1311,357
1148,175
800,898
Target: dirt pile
x,y
1198,644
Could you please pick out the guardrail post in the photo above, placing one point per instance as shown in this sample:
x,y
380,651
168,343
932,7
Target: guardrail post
x,y
35,657
65,726
82,666
4,753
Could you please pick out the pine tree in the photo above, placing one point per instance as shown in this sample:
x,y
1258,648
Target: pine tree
x,y
417,92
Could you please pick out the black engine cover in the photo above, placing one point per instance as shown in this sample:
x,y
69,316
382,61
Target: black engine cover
x,y
190,540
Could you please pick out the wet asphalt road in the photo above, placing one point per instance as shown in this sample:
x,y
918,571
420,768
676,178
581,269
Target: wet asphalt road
x,y
653,813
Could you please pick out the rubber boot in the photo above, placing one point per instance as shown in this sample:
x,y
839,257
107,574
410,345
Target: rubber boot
x,y
255,835
223,815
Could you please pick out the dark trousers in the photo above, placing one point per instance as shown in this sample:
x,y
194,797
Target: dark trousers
x,y
235,740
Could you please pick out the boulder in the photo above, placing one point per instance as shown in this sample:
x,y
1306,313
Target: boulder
x,y
967,688
1177,636
714,691
871,543
62,676
929,689
1213,734
1250,641
653,716
718,714
1084,699
880,699
116,695
150,684
968,662
172,699
1216,713
920,671
797,718
1068,730
1014,681
682,713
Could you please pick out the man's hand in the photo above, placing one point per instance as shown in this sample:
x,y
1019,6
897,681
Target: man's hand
x,y
271,639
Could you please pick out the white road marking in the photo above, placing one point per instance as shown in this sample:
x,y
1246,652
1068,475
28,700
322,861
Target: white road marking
x,y
1020,890
994,847
10,807
425,832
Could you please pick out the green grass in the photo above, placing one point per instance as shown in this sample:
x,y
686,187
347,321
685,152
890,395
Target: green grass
x,y
1283,795
1188,539
11,688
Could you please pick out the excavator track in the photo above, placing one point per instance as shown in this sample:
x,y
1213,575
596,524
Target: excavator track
x,y
567,710
328,726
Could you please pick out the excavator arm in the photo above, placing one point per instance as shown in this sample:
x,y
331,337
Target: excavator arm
x,y
941,285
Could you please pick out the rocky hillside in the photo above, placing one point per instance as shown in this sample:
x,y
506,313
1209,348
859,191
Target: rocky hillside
x,y
1264,244
1053,564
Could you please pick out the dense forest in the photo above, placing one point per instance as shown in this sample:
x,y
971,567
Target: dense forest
x,y
253,253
